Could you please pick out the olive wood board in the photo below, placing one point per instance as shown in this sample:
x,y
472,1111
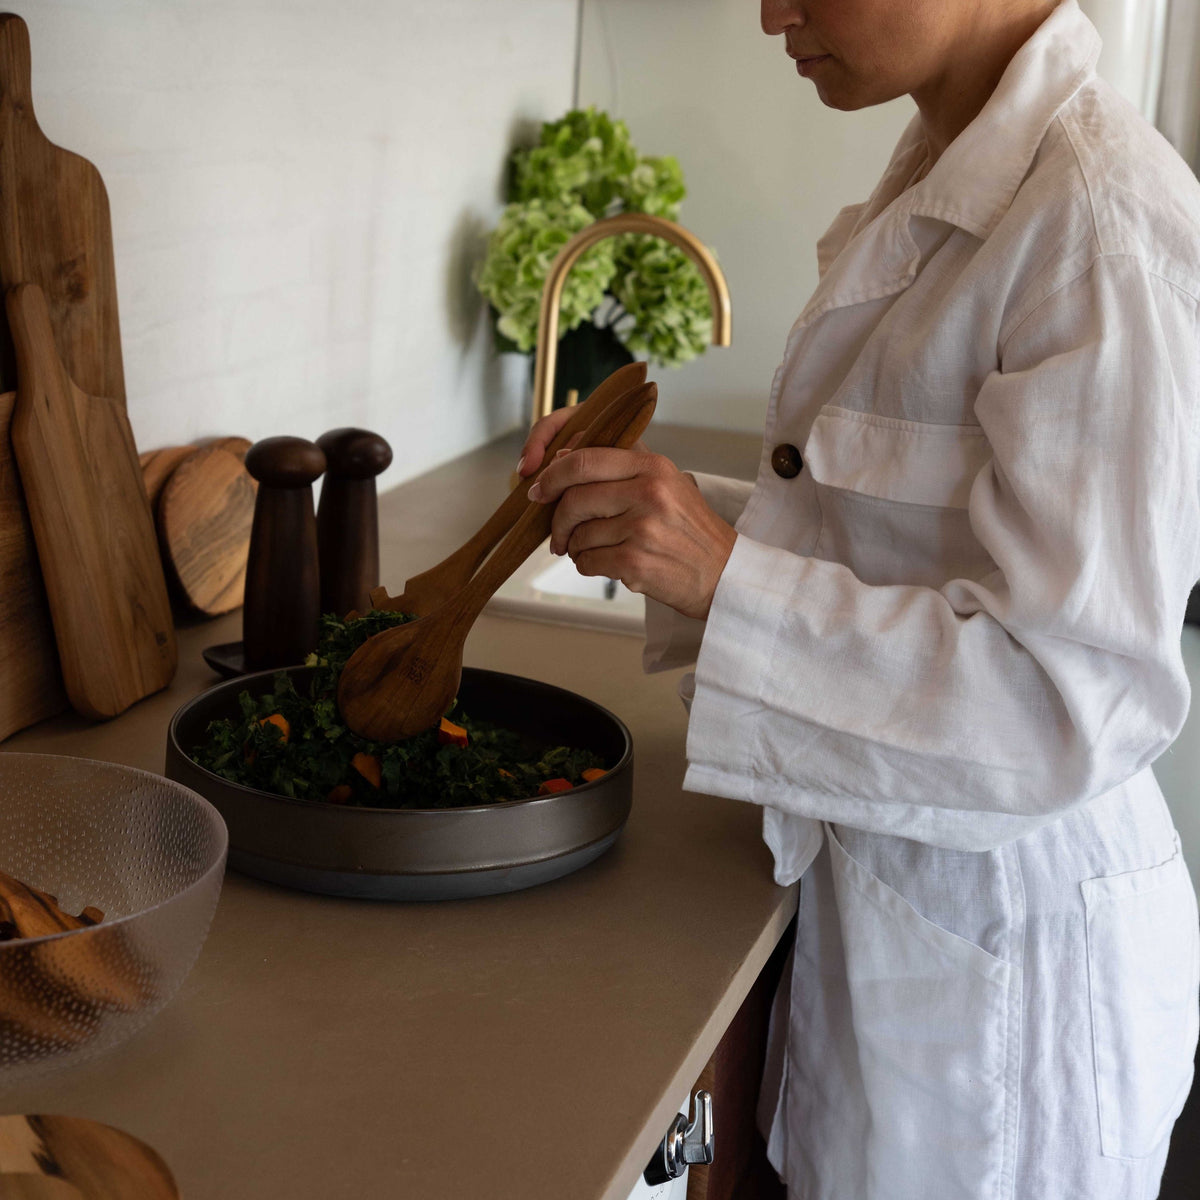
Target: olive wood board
x,y
56,232
51,1157
91,522
32,687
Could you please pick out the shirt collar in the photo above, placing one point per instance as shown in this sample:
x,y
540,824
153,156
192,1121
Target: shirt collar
x,y
973,183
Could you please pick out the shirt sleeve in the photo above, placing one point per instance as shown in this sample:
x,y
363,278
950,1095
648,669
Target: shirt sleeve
x,y
673,640
965,716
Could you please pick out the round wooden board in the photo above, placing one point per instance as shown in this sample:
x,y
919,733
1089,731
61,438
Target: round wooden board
x,y
55,1158
204,517
157,466
235,445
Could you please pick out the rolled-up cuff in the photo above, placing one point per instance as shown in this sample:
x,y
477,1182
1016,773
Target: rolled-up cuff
x,y
673,640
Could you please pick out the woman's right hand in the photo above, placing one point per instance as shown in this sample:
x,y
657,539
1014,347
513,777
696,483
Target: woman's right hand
x,y
539,439
543,433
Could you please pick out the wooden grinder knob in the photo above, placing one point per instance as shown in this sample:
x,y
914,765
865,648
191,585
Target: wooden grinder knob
x,y
279,624
348,518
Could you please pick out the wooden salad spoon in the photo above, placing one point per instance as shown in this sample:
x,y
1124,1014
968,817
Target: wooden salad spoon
x,y
423,593
400,682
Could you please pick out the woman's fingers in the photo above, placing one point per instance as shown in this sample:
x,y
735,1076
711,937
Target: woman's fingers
x,y
634,516
586,505
539,439
588,502
611,561
592,464
600,533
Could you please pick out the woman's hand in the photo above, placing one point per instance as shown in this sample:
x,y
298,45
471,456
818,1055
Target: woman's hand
x,y
634,516
540,437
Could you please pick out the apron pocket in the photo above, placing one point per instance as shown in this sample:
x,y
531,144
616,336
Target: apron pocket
x,y
1143,949
931,1016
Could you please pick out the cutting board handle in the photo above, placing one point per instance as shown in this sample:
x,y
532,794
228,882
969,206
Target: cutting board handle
x,y
55,231
16,59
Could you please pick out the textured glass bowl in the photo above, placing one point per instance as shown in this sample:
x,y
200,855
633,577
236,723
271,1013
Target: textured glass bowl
x,y
149,853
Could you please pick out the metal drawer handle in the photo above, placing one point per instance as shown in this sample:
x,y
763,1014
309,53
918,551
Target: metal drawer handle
x,y
684,1144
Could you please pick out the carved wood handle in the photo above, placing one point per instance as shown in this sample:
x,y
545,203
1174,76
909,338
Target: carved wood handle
x,y
454,571
620,424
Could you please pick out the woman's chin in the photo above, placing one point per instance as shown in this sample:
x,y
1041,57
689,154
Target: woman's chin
x,y
850,94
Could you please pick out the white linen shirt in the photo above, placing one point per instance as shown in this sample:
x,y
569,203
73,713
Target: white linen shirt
x,y
962,618
943,657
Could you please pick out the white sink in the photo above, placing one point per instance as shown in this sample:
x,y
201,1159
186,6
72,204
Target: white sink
x,y
546,588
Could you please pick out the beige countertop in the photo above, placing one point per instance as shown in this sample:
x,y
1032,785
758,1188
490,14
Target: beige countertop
x,y
529,1045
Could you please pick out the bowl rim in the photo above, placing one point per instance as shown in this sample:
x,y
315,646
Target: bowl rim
x,y
217,866
372,810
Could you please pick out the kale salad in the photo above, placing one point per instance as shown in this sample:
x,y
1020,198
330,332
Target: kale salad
x,y
296,744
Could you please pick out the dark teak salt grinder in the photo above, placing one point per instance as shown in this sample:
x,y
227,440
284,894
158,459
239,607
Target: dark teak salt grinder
x,y
348,518
283,596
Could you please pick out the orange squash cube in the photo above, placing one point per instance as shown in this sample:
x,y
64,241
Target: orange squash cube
x,y
450,734
555,785
367,765
281,723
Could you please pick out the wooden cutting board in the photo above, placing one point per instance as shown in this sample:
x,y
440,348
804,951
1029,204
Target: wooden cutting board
x,y
55,231
91,521
32,684
204,517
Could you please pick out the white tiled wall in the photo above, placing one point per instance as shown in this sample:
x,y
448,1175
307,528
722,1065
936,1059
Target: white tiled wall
x,y
299,191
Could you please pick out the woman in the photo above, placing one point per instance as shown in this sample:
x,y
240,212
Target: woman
x,y
943,654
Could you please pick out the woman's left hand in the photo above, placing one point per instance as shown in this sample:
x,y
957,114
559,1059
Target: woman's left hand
x,y
634,516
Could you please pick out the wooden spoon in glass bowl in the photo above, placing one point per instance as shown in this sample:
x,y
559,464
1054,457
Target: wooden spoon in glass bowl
x,y
400,682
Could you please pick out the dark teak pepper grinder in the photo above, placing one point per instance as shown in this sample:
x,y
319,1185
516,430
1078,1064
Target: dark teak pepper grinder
x,y
283,594
348,518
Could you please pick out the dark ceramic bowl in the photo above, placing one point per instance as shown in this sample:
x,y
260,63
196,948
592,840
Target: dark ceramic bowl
x,y
421,853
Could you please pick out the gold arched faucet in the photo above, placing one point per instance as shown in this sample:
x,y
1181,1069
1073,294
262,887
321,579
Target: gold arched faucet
x,y
547,340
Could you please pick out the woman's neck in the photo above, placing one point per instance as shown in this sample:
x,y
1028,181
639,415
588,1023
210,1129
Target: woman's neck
x,y
949,102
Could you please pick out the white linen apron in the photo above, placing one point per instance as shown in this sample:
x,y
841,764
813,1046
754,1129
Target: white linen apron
x,y
944,656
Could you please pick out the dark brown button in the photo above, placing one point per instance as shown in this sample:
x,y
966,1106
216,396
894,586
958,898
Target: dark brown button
x,y
785,461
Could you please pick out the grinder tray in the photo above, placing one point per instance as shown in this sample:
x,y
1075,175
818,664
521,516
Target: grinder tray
x,y
426,853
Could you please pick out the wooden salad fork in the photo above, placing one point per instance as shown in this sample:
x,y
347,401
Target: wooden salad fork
x,y
401,681
423,593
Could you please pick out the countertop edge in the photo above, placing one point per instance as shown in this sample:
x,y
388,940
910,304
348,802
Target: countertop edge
x,y
684,1079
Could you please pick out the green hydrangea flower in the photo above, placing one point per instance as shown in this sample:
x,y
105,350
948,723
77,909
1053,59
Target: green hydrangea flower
x,y
583,157
585,167
665,296
520,251
655,186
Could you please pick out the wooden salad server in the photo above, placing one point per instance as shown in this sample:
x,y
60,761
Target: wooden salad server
x,y
423,593
400,682
50,1157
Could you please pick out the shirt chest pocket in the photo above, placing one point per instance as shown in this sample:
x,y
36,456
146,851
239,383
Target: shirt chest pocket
x,y
893,496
